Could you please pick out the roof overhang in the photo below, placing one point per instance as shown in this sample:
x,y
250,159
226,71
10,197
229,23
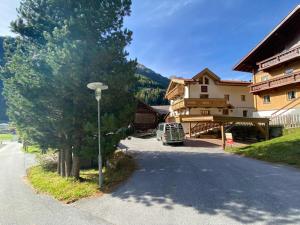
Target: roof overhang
x,y
248,62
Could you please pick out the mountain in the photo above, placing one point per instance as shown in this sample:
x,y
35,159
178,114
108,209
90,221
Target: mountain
x,y
3,117
151,86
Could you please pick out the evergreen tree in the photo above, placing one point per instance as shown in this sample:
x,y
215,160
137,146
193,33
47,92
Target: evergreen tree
x,y
62,46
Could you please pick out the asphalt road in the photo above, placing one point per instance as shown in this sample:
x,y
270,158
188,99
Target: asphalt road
x,y
20,205
192,185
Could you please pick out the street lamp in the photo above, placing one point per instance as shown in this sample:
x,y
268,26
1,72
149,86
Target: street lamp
x,y
98,87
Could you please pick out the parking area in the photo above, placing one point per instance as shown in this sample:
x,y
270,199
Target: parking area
x,y
195,184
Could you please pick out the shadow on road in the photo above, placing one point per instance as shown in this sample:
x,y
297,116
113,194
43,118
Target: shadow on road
x,y
245,190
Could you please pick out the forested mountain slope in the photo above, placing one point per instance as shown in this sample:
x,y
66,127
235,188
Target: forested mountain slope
x,y
151,86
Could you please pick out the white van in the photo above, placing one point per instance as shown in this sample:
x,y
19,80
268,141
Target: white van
x,y
170,133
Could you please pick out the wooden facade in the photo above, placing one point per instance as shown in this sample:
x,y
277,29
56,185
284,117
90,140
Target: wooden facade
x,y
145,117
198,102
207,122
275,64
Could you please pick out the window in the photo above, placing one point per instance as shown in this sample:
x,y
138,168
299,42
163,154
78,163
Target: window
x,y
225,111
204,89
200,80
291,95
206,80
203,96
204,112
267,99
264,78
243,98
226,97
289,72
245,113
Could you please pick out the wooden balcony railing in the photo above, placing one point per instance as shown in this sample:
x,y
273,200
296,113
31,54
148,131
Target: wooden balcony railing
x,y
175,92
279,58
275,82
200,103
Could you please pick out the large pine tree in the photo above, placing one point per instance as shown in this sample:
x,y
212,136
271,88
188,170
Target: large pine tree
x,y
63,45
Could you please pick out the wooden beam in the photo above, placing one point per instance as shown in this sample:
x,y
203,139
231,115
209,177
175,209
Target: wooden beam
x,y
221,119
190,130
267,131
262,130
223,136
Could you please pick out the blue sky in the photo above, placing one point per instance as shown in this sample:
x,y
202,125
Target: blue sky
x,y
181,37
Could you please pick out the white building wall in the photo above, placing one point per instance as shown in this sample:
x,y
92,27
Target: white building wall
x,y
218,91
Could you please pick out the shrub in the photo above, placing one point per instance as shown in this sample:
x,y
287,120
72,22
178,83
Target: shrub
x,y
48,161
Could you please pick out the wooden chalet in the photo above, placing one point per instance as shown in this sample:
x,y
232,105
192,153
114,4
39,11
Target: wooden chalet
x,y
206,102
145,117
275,64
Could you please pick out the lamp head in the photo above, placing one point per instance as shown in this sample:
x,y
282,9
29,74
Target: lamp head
x,y
98,87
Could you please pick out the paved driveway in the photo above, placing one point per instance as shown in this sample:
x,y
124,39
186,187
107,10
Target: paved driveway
x,y
192,185
20,205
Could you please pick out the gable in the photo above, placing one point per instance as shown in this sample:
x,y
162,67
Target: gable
x,y
206,72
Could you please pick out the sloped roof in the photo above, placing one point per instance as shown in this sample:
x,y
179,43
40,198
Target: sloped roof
x,y
207,72
273,43
161,109
234,82
212,75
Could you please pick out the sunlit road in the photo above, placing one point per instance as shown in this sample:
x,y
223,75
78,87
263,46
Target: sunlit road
x,y
186,185
173,186
19,205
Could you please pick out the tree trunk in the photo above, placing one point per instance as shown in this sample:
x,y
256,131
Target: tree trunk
x,y
68,161
76,167
59,162
62,164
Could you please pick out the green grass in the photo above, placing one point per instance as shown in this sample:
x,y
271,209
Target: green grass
x,y
6,137
33,149
69,190
63,189
285,149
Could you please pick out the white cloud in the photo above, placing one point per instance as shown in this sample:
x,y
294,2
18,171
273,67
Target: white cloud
x,y
168,8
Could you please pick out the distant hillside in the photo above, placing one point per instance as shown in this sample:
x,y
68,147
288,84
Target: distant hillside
x,y
151,86
3,116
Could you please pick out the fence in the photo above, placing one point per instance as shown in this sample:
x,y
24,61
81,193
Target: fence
x,y
287,121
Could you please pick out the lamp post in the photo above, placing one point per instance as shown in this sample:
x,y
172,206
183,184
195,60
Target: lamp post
x,y
98,87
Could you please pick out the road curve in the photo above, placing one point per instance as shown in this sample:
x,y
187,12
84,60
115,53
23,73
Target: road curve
x,y
20,205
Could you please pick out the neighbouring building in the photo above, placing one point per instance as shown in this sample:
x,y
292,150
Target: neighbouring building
x,y
206,94
275,64
145,117
162,111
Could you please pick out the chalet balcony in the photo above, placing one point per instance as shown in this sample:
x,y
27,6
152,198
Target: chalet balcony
x,y
200,103
175,92
279,58
275,83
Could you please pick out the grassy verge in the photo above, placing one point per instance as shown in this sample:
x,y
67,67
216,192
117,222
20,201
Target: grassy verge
x,y
6,137
285,149
33,149
70,190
